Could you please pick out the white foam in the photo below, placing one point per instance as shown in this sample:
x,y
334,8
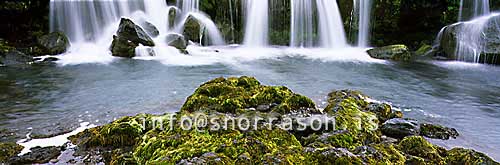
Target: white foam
x,y
53,141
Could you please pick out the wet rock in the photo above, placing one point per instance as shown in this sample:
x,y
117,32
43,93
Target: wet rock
x,y
479,36
9,150
38,155
122,47
438,132
400,128
419,147
332,156
150,29
192,30
129,36
54,43
14,57
392,52
176,40
234,95
468,156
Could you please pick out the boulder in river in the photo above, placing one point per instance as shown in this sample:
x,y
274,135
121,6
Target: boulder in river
x,y
392,52
438,132
150,29
357,138
129,36
54,43
176,40
473,41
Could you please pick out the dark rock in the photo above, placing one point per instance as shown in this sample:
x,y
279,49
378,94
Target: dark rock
x,y
460,41
192,30
128,37
38,155
392,52
14,57
438,132
122,47
130,31
150,29
400,128
176,40
54,43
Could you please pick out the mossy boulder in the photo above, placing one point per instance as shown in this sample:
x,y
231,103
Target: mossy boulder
x,y
193,30
468,156
237,95
54,43
9,150
417,146
357,139
129,36
392,52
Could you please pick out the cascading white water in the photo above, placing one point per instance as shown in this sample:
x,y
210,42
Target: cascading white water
x,y
85,20
256,27
470,9
91,24
188,5
207,25
363,8
301,34
331,29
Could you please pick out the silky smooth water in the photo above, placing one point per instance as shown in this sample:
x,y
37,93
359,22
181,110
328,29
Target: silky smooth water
x,y
50,99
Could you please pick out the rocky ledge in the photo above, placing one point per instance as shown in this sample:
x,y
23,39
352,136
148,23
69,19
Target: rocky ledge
x,y
363,132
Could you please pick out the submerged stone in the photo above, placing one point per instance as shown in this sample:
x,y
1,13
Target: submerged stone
x,y
392,52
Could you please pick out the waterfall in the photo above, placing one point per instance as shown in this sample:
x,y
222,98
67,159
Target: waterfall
x,y
256,27
85,20
470,9
364,9
188,5
302,24
331,29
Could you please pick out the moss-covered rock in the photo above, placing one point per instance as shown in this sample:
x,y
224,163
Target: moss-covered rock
x,y
392,52
400,128
9,150
357,139
260,146
236,95
419,147
468,156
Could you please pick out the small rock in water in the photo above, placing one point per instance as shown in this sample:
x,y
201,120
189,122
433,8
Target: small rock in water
x,y
392,52
400,128
438,132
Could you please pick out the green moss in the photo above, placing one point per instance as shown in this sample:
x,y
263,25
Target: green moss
x,y
329,140
437,131
418,146
9,150
348,108
235,95
126,131
176,145
338,156
386,154
468,156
